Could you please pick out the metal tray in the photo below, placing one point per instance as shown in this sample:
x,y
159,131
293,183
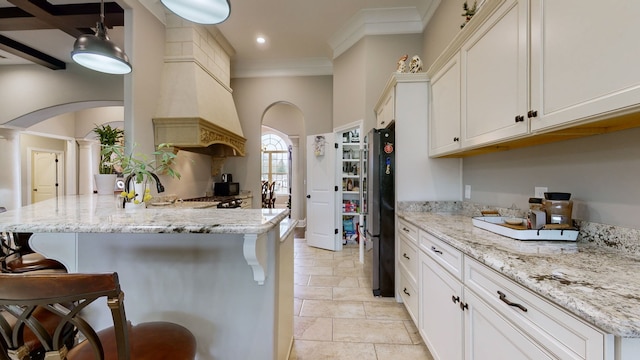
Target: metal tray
x,y
497,225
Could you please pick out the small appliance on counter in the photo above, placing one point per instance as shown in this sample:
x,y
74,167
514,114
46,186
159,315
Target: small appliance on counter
x,y
226,188
558,208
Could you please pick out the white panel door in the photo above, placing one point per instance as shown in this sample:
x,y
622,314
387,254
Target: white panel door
x,y
321,192
45,175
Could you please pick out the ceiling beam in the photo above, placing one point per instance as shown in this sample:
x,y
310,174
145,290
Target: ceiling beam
x,y
73,19
31,54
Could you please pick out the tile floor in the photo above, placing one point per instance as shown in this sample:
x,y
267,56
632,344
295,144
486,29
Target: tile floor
x,y
336,315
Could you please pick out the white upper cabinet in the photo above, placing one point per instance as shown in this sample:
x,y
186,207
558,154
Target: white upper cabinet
x,y
444,125
494,77
535,71
584,59
386,112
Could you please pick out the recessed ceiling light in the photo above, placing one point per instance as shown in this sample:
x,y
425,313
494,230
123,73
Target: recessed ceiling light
x,y
261,40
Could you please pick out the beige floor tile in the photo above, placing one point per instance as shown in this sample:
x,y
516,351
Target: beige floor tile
x,y
324,262
297,305
334,281
313,328
366,281
353,271
404,352
308,261
370,331
334,309
354,294
300,279
310,292
327,350
361,326
345,263
313,270
385,310
414,333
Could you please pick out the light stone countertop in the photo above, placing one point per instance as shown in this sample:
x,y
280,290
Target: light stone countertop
x,y
102,214
597,284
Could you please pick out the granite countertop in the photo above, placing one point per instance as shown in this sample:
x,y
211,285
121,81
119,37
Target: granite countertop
x,y
103,214
597,284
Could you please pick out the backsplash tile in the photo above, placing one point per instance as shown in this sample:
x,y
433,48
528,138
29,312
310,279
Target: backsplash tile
x,y
620,238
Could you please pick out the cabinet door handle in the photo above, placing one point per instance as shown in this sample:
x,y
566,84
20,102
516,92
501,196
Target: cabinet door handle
x,y
463,306
532,114
406,292
503,297
519,118
405,230
455,299
456,139
433,248
405,256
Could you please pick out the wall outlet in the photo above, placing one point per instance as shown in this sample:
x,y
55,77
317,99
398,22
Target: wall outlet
x,y
539,191
467,191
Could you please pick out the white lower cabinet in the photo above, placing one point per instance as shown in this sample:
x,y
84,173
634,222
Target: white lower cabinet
x,y
469,311
488,335
441,320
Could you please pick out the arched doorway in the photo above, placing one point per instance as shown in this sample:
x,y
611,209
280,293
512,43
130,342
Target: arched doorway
x,y
275,170
287,121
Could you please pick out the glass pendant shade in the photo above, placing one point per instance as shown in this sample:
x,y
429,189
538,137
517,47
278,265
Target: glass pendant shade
x,y
200,11
97,52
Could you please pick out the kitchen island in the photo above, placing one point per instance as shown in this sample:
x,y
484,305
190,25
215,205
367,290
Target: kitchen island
x,y
225,274
595,284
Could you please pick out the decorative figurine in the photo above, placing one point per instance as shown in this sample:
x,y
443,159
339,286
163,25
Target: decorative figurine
x,y
402,64
415,66
468,12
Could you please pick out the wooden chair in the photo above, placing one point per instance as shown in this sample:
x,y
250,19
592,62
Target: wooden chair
x,y
23,296
271,200
17,257
265,194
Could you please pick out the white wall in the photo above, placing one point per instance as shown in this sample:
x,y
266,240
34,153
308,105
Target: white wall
x,y
360,74
253,96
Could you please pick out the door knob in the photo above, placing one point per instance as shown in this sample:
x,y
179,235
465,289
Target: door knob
x,y
308,196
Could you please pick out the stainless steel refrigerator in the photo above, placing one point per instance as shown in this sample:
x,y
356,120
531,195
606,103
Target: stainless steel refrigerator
x,y
380,209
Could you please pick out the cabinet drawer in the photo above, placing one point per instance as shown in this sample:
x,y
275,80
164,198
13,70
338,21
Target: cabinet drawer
x,y
559,332
409,296
444,254
408,258
409,230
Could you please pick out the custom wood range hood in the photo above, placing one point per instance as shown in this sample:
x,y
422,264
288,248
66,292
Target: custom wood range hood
x,y
196,111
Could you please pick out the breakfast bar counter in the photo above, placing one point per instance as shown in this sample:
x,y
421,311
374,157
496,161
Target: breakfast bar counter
x,y
218,272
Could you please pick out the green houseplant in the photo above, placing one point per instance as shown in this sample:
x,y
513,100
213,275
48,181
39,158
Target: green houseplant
x,y
108,137
106,178
139,169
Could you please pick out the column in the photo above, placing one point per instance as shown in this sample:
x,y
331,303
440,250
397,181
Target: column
x,y
297,187
88,154
10,177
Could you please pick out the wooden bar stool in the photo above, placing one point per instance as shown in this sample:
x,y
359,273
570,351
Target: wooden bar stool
x,y
18,257
22,295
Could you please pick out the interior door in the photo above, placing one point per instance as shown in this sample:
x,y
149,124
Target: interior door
x,y
321,192
45,175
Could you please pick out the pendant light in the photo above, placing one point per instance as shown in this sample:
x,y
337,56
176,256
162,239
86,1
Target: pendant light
x,y
97,52
200,11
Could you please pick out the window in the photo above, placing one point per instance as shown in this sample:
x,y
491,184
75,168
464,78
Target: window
x,y
275,162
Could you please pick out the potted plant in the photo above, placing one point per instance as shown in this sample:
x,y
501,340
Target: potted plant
x,y
141,169
108,137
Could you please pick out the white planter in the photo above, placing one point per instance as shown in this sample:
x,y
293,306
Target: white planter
x,y
105,183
